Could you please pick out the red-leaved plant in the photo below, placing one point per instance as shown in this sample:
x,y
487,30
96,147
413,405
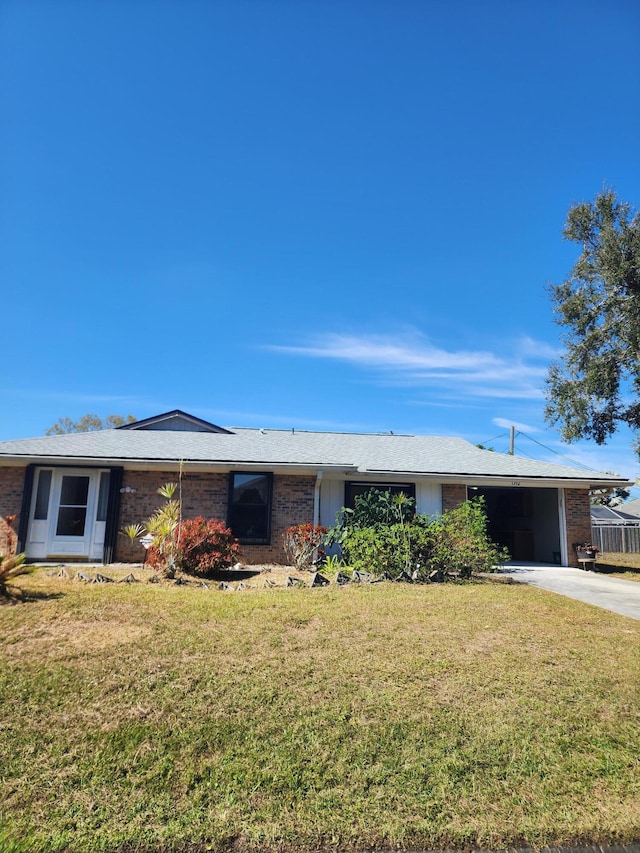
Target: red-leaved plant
x,y
301,543
202,547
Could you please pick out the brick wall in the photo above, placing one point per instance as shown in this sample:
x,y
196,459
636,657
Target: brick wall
x,y
202,494
578,515
11,485
207,495
453,494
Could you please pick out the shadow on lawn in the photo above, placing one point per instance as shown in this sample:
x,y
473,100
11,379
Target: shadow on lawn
x,y
234,574
24,596
613,568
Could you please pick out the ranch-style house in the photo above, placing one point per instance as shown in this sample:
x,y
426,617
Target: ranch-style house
x,y
72,494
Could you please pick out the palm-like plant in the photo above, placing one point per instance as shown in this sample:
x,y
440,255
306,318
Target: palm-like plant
x,y
163,527
12,566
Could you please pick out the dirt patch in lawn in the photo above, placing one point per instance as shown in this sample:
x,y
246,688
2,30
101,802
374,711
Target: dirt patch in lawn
x,y
59,636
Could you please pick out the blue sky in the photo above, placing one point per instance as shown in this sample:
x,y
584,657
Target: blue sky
x,y
333,214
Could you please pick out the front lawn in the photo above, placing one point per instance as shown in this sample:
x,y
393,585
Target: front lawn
x,y
619,565
174,718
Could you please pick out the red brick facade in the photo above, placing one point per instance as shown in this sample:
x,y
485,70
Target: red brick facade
x,y
207,495
453,494
11,485
578,515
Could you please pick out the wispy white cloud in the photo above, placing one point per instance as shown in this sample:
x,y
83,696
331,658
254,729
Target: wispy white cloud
x,y
529,347
412,360
505,423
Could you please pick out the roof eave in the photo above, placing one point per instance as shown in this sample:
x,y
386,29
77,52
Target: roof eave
x,y
174,462
513,480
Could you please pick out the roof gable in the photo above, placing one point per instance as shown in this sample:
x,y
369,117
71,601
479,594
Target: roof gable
x,y
176,421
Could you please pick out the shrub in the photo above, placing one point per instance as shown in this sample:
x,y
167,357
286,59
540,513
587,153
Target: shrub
x,y
462,543
205,546
163,526
454,544
374,508
301,543
392,548
369,549
12,565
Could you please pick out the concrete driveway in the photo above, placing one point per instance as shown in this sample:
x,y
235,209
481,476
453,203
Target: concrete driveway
x,y
614,594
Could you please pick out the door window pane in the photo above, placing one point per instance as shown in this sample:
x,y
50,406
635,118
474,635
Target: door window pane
x,y
75,491
72,514
71,521
42,496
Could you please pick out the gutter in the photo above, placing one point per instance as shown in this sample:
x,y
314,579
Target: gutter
x,y
505,479
316,500
141,463
316,508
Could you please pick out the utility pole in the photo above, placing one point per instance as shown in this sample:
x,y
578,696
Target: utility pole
x,y
512,438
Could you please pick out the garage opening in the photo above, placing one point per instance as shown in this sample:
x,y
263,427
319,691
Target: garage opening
x,y
524,520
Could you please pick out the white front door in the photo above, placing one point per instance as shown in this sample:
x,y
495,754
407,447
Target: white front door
x,y
66,506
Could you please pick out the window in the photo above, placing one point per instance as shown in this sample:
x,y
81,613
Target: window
x,y
250,507
41,510
353,490
103,496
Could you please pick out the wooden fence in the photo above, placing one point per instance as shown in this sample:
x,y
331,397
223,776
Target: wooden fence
x,y
625,540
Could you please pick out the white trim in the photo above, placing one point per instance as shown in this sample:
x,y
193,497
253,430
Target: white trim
x,y
46,544
562,524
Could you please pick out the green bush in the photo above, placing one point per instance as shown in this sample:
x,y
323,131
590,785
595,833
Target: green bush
x,y
393,548
375,508
455,544
462,543
380,549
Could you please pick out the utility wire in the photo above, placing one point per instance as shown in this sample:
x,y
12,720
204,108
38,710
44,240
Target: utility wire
x,y
528,455
502,435
562,455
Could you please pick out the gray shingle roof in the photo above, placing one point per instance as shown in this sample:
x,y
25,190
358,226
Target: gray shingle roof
x,y
632,506
364,453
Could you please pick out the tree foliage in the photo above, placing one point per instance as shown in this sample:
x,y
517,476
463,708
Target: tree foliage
x,y
595,386
610,497
88,423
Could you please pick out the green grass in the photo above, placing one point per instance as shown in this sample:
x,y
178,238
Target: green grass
x,y
618,565
165,718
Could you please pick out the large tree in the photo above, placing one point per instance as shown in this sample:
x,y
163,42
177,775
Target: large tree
x,y
88,423
595,386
